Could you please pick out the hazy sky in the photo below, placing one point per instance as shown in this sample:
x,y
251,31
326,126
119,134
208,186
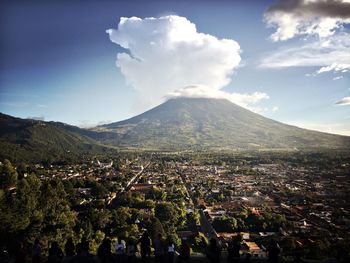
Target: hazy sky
x,y
287,60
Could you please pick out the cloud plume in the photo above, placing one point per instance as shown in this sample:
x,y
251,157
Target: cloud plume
x,y
166,54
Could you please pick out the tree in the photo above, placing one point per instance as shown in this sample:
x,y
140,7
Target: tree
x,y
98,190
120,218
240,224
8,175
21,170
84,228
15,209
200,242
96,241
69,188
255,222
58,219
149,203
167,214
20,217
133,230
273,222
117,165
319,249
193,220
225,224
157,194
99,218
34,209
176,239
155,227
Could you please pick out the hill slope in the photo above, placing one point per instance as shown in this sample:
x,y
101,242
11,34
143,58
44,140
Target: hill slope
x,y
200,123
32,140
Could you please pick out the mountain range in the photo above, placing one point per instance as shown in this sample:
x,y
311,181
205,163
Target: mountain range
x,y
177,124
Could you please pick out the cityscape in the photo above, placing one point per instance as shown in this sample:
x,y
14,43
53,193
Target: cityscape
x,y
301,202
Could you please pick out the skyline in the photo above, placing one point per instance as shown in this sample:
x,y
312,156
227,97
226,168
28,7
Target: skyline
x,y
288,62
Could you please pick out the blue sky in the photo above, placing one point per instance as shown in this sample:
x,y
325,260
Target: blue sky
x,y
58,62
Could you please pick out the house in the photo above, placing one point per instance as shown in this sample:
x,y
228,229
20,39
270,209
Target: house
x,y
253,249
143,188
225,236
186,234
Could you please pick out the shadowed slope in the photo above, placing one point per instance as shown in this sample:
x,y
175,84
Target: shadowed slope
x,y
32,140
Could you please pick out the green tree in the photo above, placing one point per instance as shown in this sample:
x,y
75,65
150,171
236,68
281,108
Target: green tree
x,y
99,218
8,175
133,230
157,194
34,208
193,220
155,227
20,217
319,249
167,214
98,190
58,219
120,218
225,224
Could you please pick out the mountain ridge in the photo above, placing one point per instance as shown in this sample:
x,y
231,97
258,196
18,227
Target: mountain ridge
x,y
181,124
36,140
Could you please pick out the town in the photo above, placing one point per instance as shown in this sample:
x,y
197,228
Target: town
x,y
302,203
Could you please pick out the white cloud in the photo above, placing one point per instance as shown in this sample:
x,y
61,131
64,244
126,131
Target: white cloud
x,y
330,53
335,67
87,124
335,128
201,91
307,17
322,18
166,54
337,78
343,101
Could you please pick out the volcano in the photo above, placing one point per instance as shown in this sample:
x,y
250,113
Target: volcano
x,y
205,123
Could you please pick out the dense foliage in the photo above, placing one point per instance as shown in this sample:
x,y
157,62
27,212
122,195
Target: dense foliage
x,y
32,208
